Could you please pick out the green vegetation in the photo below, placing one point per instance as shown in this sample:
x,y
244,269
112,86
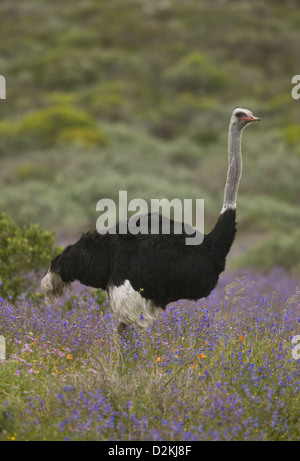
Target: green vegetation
x,y
217,369
106,96
46,127
136,95
23,252
281,250
291,135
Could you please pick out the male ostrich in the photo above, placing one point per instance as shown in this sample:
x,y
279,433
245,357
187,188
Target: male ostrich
x,y
143,273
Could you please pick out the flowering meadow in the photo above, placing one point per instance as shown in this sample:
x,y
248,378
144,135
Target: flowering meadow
x,y
221,368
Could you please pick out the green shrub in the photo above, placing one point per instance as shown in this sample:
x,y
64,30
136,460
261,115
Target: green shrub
x,y
47,125
178,116
43,128
34,171
24,252
291,135
109,99
7,136
86,136
195,72
280,250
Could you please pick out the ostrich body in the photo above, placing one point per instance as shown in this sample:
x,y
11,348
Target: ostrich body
x,y
143,273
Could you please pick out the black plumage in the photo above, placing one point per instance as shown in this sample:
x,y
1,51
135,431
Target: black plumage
x,y
160,267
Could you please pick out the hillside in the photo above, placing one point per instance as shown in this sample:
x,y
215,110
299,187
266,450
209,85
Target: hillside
x,y
136,95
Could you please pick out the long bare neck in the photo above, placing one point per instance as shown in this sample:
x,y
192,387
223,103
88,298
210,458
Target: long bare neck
x,y
234,168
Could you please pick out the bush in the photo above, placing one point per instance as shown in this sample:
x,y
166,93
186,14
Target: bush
x,y
24,253
33,171
85,136
291,135
283,251
196,73
43,128
110,99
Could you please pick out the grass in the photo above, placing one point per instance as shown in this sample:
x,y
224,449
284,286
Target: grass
x,y
218,369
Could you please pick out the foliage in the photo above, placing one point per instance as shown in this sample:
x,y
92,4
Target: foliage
x,y
105,96
22,250
113,95
86,136
218,369
196,73
291,135
278,250
124,59
48,126
98,296
30,170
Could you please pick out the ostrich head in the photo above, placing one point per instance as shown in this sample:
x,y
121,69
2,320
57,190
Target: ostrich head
x,y
241,118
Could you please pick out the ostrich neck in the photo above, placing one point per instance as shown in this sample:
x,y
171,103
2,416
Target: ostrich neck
x,y
234,168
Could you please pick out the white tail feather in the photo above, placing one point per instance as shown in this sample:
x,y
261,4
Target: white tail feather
x,y
53,287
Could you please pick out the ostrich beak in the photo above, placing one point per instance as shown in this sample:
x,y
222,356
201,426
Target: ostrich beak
x,y
251,118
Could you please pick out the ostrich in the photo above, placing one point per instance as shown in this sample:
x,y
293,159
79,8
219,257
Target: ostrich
x,y
143,273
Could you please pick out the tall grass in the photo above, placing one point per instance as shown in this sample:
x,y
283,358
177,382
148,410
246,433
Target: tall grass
x,y
218,369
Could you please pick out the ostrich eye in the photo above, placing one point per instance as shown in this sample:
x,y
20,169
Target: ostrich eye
x,y
240,114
